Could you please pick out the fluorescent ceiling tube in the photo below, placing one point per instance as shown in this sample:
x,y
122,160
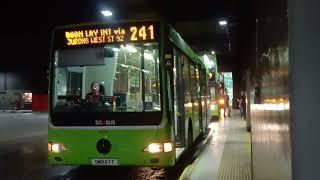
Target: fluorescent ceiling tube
x,y
223,23
106,13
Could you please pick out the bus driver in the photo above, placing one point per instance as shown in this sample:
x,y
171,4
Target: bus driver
x,y
95,94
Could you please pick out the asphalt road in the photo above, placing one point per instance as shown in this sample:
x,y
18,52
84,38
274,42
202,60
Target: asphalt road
x,y
23,145
23,155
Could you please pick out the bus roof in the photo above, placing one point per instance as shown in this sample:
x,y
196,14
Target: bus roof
x,y
176,39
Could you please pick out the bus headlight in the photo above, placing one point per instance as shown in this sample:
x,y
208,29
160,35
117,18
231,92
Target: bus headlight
x,y
167,147
154,148
158,147
56,147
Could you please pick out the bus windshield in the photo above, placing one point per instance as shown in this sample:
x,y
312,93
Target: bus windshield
x,y
110,78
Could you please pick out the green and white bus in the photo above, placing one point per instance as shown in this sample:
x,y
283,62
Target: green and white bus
x,y
154,99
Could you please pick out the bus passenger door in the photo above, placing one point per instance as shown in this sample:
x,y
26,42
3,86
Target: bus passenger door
x,y
204,100
200,97
196,98
179,125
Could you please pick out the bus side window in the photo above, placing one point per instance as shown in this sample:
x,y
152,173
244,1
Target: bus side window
x,y
186,79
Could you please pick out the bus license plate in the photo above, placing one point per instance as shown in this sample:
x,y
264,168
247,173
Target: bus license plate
x,y
105,162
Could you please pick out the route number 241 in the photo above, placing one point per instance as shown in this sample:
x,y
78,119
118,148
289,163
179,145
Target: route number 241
x,y
142,33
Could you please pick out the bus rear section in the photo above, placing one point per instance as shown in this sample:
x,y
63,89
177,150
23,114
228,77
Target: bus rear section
x,y
105,98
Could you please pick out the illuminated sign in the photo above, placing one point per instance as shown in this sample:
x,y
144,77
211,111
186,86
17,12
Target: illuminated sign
x,y
107,34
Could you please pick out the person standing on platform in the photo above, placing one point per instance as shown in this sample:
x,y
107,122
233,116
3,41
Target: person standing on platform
x,y
242,105
227,106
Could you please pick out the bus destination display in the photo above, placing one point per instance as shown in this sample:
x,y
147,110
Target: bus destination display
x,y
109,35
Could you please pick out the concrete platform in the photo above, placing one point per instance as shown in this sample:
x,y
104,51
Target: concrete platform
x,y
227,155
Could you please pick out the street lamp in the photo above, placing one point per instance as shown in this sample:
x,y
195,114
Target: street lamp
x,y
224,23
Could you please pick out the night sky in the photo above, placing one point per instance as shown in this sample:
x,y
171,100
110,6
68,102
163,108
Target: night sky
x,y
27,28
27,33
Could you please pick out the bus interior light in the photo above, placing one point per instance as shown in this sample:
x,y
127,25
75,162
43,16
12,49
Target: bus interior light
x,y
131,49
123,65
116,49
148,56
157,108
